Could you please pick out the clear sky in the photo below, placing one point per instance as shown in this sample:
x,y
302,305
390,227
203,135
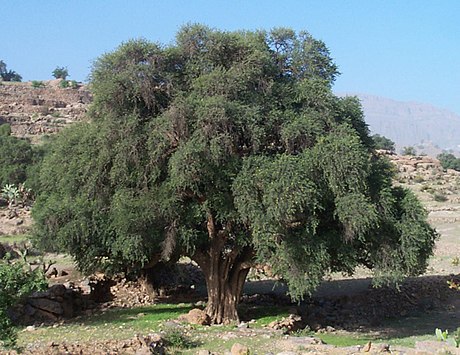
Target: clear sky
x,y
407,50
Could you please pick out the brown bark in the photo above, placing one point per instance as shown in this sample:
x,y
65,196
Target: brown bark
x,y
225,273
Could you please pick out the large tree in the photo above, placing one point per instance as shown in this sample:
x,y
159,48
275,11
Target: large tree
x,y
228,147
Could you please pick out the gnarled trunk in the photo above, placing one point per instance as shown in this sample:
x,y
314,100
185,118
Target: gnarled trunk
x,y
224,292
225,269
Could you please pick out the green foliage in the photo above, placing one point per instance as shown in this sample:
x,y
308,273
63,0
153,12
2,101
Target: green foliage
x,y
60,73
409,151
449,161
176,339
11,193
17,281
227,146
382,142
8,75
36,84
64,84
19,160
444,336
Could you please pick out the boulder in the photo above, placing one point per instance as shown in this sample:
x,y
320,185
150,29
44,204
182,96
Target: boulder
x,y
239,349
47,305
196,316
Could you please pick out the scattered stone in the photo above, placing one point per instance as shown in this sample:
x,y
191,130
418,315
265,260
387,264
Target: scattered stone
x,y
383,348
292,323
239,349
196,316
243,325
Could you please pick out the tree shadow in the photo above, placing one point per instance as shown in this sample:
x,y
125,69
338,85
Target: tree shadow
x,y
417,307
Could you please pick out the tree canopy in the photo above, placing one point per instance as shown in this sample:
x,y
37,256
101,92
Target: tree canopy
x,y
8,75
382,142
228,147
18,159
449,161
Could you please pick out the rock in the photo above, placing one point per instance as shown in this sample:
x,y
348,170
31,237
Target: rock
x,y
46,305
196,316
243,325
292,323
383,348
239,349
57,290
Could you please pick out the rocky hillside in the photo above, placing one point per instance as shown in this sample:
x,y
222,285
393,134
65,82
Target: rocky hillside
x,y
36,111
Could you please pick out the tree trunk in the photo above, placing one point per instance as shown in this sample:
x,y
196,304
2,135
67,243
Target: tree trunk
x,y
225,269
224,292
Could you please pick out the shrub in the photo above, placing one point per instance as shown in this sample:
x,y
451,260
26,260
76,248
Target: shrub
x,y
17,281
19,160
60,73
449,161
438,197
64,84
37,84
382,142
408,151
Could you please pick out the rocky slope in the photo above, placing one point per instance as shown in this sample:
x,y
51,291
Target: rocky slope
x,y
33,112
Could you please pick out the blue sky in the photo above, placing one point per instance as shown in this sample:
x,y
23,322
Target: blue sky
x,y
407,50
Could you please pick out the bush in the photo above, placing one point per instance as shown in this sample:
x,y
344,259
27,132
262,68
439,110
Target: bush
x,y
64,84
408,151
382,142
17,281
60,73
19,160
449,161
37,84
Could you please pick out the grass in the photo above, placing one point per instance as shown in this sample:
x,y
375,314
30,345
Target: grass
x,y
120,324
11,239
112,324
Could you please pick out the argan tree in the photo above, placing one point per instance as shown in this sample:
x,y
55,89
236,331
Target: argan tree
x,y
230,148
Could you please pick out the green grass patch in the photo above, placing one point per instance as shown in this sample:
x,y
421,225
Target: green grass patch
x,y
11,239
112,324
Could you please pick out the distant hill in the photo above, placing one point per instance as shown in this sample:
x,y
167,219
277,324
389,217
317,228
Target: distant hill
x,y
424,126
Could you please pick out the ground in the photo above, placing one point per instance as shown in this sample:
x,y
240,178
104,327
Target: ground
x,y
346,313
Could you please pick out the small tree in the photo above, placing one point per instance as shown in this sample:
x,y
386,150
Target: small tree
x,y
19,159
230,148
61,73
409,151
8,75
449,161
382,142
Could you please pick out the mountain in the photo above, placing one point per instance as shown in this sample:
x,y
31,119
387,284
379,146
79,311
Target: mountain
x,y
411,123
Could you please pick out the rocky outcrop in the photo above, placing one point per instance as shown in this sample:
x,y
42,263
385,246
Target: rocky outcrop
x,y
52,305
33,112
